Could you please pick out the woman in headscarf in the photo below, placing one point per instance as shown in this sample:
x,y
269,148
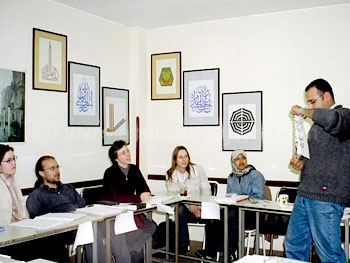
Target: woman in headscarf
x,y
243,180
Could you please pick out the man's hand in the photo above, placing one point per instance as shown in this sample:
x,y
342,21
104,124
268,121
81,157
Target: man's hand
x,y
196,210
296,110
145,196
296,163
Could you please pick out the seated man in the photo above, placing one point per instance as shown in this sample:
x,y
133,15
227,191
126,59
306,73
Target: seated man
x,y
52,196
124,183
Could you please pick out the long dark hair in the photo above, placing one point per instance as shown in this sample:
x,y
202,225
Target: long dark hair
x,y
173,162
39,167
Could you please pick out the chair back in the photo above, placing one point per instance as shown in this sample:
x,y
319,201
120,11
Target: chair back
x,y
267,193
92,195
214,186
290,191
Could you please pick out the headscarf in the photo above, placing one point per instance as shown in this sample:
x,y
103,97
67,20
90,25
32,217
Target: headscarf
x,y
235,171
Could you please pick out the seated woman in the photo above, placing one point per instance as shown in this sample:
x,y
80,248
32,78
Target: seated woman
x,y
186,177
12,205
123,182
243,180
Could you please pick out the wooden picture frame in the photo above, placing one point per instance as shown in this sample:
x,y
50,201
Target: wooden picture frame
x,y
49,61
166,76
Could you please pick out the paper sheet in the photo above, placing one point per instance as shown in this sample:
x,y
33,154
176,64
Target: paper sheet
x,y
300,140
85,235
38,223
124,223
66,217
210,210
166,209
159,199
100,210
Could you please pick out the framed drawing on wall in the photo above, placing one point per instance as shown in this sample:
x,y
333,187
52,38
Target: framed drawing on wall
x,y
115,115
166,76
12,91
49,60
201,97
84,95
242,121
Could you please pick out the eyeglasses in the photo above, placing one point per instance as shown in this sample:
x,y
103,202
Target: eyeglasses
x,y
312,101
9,160
53,168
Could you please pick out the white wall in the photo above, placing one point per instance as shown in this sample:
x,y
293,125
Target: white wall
x,y
91,40
277,53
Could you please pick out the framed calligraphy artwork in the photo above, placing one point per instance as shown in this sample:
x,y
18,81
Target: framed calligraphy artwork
x,y
201,101
115,115
84,95
166,76
12,93
49,61
242,121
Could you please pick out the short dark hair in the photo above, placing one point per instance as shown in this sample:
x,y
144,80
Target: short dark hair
x,y
4,148
39,167
112,152
321,85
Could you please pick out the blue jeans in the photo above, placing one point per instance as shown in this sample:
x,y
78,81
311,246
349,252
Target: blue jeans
x,y
319,222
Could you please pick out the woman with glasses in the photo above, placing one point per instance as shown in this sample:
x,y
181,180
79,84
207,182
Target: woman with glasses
x,y
12,205
185,177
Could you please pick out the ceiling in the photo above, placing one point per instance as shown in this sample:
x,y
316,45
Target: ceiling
x,y
151,14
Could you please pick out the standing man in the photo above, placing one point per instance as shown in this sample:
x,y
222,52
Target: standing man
x,y
325,178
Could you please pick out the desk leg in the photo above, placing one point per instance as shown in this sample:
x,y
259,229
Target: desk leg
x,y
148,245
241,215
257,232
346,245
177,233
225,233
94,244
167,245
108,240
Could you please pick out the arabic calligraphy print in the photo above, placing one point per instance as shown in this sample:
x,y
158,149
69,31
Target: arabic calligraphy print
x,y
201,95
84,95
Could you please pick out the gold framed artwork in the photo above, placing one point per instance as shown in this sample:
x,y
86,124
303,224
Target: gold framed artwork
x,y
166,76
49,61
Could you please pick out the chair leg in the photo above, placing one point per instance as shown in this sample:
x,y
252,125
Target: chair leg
x,y
262,245
271,246
248,243
203,246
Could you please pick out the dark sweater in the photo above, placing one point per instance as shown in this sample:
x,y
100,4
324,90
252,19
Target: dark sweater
x,y
45,200
123,189
326,176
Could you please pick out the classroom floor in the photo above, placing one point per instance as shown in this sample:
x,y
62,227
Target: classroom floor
x,y
195,245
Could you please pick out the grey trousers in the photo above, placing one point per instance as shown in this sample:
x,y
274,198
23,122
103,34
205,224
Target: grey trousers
x,y
125,248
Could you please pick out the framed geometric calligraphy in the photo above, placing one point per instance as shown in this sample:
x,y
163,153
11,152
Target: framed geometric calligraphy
x,y
84,95
242,121
49,61
115,115
166,76
201,102
12,90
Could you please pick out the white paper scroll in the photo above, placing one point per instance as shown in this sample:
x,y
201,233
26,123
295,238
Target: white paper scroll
x,y
124,223
300,139
210,210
